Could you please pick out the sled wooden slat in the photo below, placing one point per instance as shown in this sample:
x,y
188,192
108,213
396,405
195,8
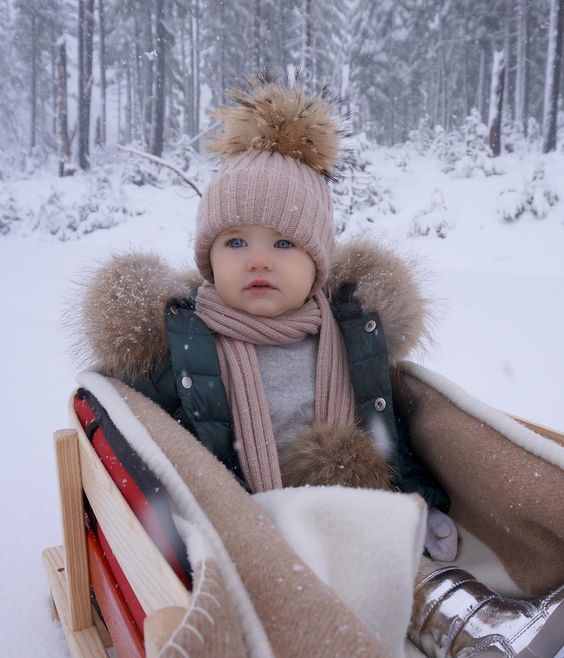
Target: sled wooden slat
x,y
125,636
74,542
151,577
85,643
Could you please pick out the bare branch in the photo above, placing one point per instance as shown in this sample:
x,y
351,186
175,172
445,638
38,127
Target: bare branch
x,y
162,163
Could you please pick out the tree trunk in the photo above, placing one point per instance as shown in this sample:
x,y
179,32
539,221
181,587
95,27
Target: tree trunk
x,y
196,67
552,82
82,162
62,117
481,77
465,92
119,135
256,35
54,82
496,101
186,80
33,113
521,71
148,55
157,131
102,28
442,74
136,78
130,101
507,57
85,45
307,54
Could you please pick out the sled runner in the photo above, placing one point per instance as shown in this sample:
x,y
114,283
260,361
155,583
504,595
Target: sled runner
x,y
165,554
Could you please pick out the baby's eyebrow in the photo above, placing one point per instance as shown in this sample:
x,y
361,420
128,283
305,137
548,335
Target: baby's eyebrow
x,y
234,231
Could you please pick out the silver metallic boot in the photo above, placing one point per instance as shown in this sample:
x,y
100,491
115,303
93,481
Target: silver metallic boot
x,y
455,616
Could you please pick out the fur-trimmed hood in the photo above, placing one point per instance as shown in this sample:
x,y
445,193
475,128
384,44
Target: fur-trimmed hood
x,y
119,326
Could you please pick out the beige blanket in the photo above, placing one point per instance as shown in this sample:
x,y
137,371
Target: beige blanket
x,y
291,573
325,572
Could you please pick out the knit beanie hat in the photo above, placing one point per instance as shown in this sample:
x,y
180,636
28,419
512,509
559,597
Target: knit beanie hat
x,y
279,148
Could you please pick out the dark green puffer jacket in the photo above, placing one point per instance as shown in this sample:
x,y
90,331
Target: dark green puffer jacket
x,y
188,386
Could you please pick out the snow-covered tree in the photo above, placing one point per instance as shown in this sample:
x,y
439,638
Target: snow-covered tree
x,y
553,68
11,132
226,38
37,26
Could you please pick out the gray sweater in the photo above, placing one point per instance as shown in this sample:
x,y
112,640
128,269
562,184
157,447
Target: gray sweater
x,y
288,376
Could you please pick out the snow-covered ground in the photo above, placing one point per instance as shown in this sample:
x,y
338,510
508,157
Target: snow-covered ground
x,y
498,289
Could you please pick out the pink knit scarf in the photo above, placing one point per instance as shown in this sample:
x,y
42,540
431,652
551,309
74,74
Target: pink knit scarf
x,y
237,333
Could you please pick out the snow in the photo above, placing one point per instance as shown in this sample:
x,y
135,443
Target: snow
x,y
497,287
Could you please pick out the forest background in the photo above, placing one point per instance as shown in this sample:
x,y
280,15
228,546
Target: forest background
x,y
457,122
79,75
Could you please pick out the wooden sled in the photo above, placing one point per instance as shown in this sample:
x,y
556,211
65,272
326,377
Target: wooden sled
x,y
77,569
78,566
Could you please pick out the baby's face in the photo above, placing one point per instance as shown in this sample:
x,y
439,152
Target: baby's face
x,y
257,270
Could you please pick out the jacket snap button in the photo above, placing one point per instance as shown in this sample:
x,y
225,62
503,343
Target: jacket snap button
x,y
380,404
370,326
186,382
174,309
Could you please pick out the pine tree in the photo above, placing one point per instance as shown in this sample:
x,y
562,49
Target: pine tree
x,y
37,26
226,40
11,84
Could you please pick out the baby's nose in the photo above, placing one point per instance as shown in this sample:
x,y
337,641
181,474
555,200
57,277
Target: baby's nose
x,y
259,261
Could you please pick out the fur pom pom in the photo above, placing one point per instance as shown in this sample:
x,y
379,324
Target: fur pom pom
x,y
271,117
325,455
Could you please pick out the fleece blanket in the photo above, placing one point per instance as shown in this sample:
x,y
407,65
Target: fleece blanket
x,y
316,571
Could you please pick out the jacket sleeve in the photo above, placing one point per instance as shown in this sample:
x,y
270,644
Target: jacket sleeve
x,y
412,476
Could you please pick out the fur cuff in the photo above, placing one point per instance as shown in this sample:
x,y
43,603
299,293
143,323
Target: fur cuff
x,y
326,455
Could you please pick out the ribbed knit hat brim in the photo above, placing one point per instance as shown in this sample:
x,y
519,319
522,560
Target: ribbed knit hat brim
x,y
271,190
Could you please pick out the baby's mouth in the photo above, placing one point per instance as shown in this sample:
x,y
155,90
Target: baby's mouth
x,y
260,284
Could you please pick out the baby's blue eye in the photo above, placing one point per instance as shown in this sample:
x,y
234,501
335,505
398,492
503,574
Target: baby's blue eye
x,y
283,244
236,243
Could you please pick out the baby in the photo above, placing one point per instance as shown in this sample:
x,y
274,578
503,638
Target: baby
x,y
288,385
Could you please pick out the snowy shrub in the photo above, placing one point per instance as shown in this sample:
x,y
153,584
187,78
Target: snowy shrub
x,y
534,133
8,164
404,158
359,188
443,145
183,156
536,197
55,217
103,206
465,152
431,220
11,215
514,140
138,171
421,139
